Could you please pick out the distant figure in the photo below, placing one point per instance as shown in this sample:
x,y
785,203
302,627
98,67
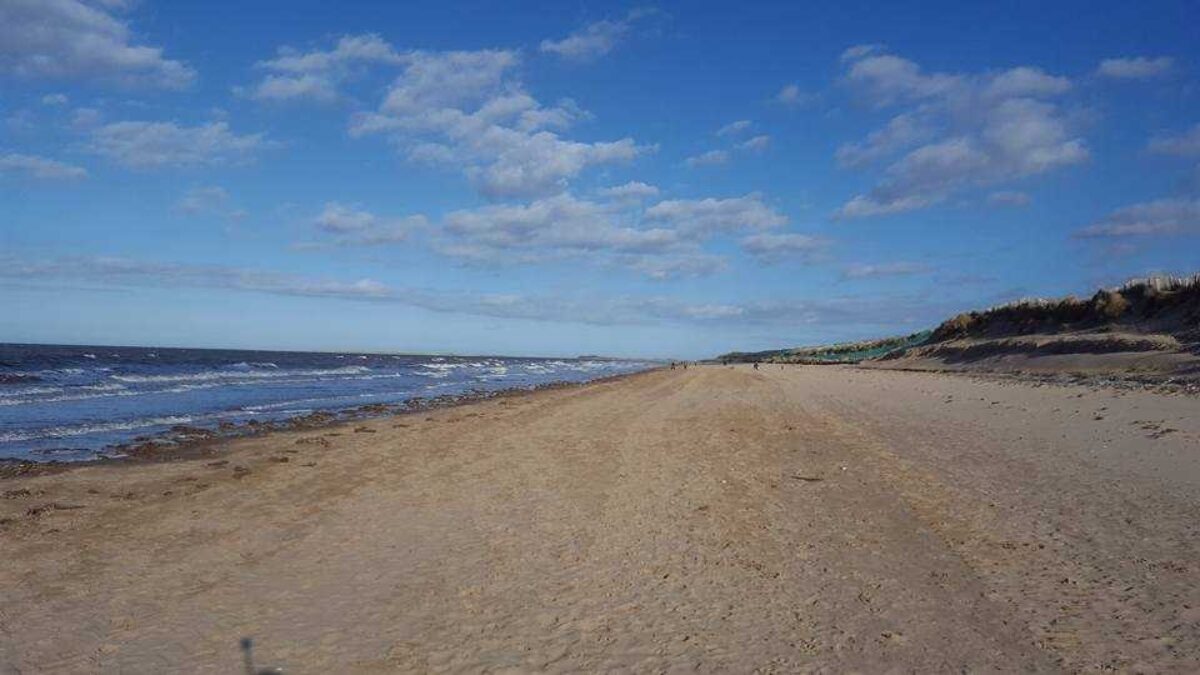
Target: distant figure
x,y
756,365
672,365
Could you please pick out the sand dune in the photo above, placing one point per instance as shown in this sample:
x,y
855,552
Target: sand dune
x,y
717,519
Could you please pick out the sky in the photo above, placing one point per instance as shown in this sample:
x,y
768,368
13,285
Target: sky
x,y
663,180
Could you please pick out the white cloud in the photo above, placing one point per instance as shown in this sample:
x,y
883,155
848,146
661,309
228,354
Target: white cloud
x,y
901,131
55,99
709,158
1135,68
674,266
203,198
858,51
735,128
147,145
39,167
1008,198
884,79
1026,81
316,75
895,269
633,190
1154,218
540,163
771,248
716,215
1186,144
208,199
433,83
756,144
663,241
463,109
863,206
355,226
554,226
977,130
792,95
83,119
72,39
595,39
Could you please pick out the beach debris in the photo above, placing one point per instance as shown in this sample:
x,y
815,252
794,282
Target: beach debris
x,y
808,479
247,645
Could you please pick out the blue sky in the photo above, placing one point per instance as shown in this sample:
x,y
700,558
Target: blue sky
x,y
676,179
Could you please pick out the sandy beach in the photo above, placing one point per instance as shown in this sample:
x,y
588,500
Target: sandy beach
x,y
795,518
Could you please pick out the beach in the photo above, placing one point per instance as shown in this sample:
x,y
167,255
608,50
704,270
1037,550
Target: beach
x,y
791,518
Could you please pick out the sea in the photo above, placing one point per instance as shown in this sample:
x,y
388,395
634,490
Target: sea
x,y
71,403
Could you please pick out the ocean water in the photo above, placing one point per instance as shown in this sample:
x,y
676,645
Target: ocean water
x,y
70,403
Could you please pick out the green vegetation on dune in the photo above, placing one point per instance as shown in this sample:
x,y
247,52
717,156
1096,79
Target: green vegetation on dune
x,y
845,352
1166,306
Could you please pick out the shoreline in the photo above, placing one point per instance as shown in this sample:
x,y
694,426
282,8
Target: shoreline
x,y
193,442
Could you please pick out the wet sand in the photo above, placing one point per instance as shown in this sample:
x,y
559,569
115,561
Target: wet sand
x,y
717,519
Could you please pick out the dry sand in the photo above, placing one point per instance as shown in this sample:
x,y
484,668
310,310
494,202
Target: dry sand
x,y
715,519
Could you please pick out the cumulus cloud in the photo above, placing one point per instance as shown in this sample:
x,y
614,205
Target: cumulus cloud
x,y
595,39
208,199
55,99
902,131
792,95
467,110
709,158
772,248
554,225
317,74
1135,68
954,132
711,215
1026,81
884,79
350,225
673,266
83,119
39,167
1147,219
633,190
858,51
149,145
663,241
894,269
1186,144
755,144
84,41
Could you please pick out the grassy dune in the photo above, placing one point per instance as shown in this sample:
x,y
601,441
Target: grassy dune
x,y
1146,327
